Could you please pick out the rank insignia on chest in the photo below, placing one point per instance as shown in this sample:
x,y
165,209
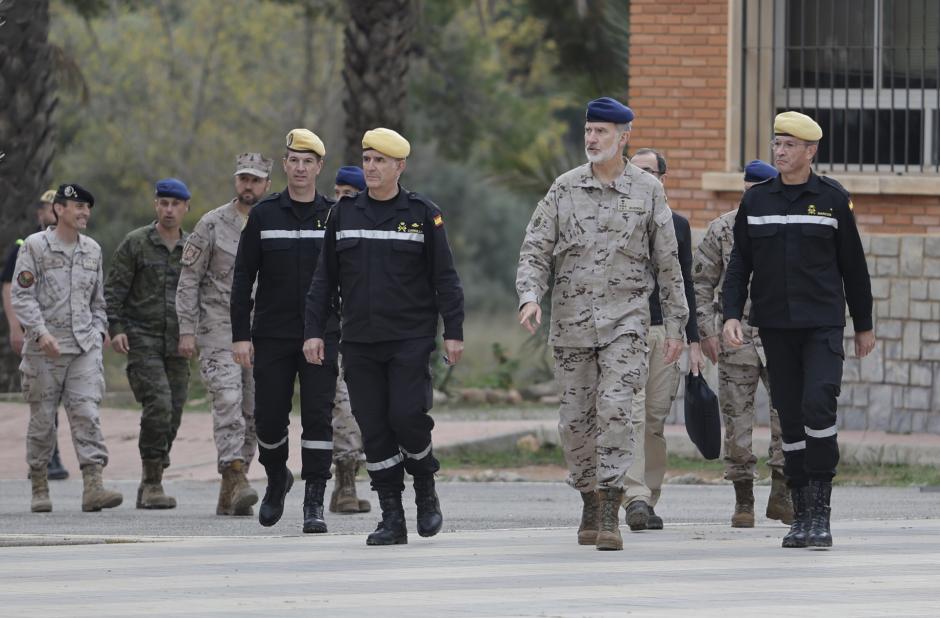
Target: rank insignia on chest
x,y
811,210
26,279
402,226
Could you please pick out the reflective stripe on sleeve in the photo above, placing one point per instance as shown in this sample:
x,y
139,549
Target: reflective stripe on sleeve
x,y
785,219
292,234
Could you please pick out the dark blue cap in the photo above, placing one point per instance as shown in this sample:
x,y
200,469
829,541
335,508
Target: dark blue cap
x,y
172,187
759,171
352,176
76,193
606,109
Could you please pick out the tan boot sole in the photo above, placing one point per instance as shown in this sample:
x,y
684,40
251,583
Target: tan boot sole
x,y
608,541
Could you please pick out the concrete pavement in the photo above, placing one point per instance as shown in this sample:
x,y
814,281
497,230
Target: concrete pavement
x,y
877,568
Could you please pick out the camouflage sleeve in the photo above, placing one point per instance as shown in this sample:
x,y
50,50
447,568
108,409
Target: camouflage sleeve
x,y
99,309
118,285
24,296
197,253
664,251
535,256
707,266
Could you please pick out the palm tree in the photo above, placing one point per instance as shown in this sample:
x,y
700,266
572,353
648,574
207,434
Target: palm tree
x,y
27,128
377,49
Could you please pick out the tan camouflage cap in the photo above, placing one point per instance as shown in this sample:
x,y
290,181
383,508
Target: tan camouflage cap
x,y
253,163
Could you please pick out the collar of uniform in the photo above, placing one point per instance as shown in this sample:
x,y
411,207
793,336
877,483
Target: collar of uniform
x,y
154,236
587,180
812,184
52,239
362,198
229,213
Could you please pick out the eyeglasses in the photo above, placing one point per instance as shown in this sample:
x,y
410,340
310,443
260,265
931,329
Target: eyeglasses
x,y
650,170
786,145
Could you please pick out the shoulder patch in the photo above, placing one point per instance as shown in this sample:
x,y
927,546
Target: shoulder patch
x,y
26,279
438,220
191,253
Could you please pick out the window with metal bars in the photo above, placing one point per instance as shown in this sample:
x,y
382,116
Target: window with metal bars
x,y
866,70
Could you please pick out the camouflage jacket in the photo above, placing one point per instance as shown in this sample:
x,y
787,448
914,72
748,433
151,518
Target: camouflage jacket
x,y
708,275
606,245
205,287
141,287
57,291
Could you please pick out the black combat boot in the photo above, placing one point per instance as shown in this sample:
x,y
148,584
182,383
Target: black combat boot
x,y
392,529
799,529
57,471
819,535
430,518
272,506
637,515
313,506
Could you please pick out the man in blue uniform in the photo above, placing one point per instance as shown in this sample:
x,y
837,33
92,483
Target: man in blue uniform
x,y
387,252
797,234
280,246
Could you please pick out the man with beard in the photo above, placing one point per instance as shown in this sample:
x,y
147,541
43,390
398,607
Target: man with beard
x,y
203,299
279,247
605,230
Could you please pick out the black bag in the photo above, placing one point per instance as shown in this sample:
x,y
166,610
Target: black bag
x,y
702,420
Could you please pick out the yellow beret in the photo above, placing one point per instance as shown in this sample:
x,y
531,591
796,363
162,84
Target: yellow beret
x,y
387,142
798,125
48,197
305,140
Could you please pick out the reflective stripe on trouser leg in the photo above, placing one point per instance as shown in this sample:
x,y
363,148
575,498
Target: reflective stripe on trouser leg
x,y
274,372
824,356
409,371
364,368
784,351
317,390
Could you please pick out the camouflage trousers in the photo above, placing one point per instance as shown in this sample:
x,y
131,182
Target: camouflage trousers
x,y
77,382
595,424
347,438
160,383
737,386
232,388
651,406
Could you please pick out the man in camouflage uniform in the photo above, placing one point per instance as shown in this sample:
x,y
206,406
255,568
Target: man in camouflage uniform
x,y
58,301
141,296
605,230
46,217
202,306
347,437
739,370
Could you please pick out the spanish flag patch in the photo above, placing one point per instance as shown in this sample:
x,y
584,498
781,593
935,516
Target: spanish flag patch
x,y
438,220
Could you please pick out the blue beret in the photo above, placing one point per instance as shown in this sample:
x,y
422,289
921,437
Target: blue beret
x,y
352,176
172,187
758,171
74,192
606,109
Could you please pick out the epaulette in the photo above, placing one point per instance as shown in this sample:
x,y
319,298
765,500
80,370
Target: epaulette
x,y
414,196
832,182
271,197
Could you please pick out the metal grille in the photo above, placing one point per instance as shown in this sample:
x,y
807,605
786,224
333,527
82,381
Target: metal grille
x,y
866,70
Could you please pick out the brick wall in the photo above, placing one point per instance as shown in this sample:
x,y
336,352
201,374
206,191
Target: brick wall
x,y
678,89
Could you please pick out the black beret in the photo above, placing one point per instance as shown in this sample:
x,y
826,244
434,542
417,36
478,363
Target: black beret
x,y
76,193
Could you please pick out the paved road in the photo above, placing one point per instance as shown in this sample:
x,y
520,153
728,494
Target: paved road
x,y
508,549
